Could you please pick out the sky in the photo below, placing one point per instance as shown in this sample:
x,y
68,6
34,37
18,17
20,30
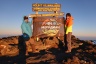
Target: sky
x,y
83,11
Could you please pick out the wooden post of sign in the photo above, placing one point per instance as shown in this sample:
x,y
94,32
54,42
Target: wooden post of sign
x,y
37,38
55,13
36,12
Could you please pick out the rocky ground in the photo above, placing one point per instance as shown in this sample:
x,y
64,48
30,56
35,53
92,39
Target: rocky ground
x,y
51,51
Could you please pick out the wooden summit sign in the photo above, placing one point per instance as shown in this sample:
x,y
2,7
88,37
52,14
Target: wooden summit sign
x,y
51,24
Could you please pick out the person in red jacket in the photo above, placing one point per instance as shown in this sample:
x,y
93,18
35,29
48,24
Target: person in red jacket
x,y
68,29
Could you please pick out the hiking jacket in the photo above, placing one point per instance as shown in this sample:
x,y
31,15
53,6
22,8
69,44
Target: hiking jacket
x,y
68,25
26,28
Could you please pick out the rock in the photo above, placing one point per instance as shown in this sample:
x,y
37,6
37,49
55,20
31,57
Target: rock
x,y
54,55
89,42
83,62
61,38
76,60
9,50
53,43
75,46
15,41
37,44
43,58
0,38
50,42
69,61
80,50
3,49
56,40
74,38
12,51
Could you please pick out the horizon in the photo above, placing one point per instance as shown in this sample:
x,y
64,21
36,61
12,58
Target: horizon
x,y
81,38
84,13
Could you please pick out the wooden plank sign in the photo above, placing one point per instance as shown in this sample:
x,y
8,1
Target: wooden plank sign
x,y
42,15
46,7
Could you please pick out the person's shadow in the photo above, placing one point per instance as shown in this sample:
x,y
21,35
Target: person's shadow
x,y
18,59
22,50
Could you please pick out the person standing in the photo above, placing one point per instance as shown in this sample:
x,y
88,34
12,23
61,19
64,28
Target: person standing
x,y
68,29
27,34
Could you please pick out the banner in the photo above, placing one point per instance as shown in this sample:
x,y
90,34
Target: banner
x,y
48,26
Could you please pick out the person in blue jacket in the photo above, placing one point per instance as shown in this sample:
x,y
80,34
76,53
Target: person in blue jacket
x,y
26,26
27,31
